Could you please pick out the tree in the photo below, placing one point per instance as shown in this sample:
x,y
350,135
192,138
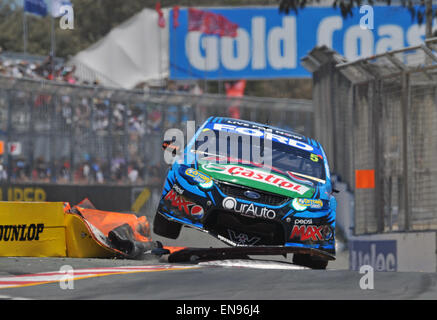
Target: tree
x,y
346,7
93,20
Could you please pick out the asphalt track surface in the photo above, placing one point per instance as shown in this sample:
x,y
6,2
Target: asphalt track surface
x,y
265,278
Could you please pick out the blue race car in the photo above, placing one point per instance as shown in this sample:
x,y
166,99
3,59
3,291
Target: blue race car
x,y
252,185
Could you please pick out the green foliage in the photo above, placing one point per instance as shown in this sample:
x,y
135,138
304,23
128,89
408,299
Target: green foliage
x,y
93,19
346,6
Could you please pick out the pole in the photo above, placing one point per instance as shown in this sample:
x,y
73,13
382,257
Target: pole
x,y
159,53
405,110
378,158
428,18
7,154
24,32
428,26
52,42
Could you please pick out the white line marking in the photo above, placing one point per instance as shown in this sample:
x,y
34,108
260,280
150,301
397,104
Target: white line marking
x,y
56,276
254,264
13,298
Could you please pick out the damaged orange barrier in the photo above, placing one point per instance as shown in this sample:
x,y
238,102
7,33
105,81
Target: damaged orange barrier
x,y
174,249
123,234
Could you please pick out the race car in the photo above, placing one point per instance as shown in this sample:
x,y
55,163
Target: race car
x,y
253,185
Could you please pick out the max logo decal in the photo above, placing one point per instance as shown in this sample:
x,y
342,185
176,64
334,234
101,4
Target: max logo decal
x,y
305,233
188,207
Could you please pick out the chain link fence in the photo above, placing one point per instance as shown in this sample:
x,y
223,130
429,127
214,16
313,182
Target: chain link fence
x,y
60,133
382,117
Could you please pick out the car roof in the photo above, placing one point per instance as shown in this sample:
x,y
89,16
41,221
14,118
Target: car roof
x,y
276,130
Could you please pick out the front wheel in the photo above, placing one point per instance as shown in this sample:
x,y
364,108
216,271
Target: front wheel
x,y
166,228
309,261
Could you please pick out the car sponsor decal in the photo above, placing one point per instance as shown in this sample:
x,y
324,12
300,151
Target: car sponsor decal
x,y
301,204
199,177
263,134
327,232
197,211
178,189
248,209
252,195
305,233
252,174
303,221
242,238
183,205
264,128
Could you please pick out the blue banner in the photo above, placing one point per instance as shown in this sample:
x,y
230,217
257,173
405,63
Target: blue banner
x,y
380,254
38,7
270,44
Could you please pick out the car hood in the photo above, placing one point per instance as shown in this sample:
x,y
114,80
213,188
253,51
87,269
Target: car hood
x,y
259,178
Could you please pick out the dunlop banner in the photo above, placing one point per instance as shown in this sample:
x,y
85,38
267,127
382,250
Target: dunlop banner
x,y
32,229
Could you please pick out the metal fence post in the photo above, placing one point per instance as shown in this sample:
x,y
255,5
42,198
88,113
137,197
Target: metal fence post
x,y
406,94
378,156
52,136
109,139
8,156
73,130
31,129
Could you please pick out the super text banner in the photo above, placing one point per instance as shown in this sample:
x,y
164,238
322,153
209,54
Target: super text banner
x,y
270,45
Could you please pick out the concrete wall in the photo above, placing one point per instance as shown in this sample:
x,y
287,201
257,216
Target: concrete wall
x,y
345,209
412,251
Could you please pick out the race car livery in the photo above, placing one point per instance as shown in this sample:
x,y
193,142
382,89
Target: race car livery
x,y
276,193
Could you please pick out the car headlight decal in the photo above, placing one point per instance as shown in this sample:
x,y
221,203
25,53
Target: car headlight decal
x,y
297,206
194,176
302,204
206,185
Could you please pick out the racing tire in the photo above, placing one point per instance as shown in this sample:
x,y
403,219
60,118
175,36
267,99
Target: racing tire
x,y
166,228
306,260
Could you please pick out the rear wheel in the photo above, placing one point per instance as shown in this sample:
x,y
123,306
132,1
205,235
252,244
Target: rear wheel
x,y
166,228
312,262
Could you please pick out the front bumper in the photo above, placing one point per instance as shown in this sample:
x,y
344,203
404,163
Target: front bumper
x,y
239,221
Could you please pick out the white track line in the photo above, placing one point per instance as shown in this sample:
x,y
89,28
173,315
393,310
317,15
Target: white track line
x,y
12,298
57,276
254,264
